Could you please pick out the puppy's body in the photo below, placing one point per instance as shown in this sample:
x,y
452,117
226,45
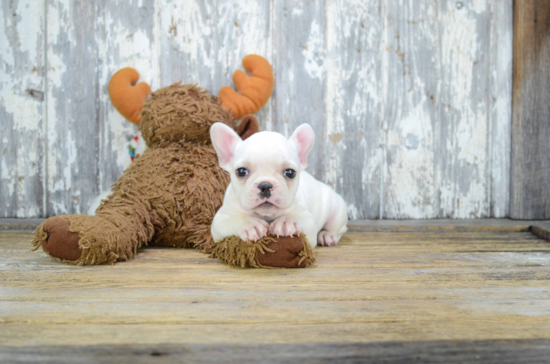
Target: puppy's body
x,y
270,193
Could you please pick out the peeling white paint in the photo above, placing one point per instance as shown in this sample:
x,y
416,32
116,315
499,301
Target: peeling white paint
x,y
59,19
21,108
501,40
70,165
297,11
465,195
188,31
57,14
29,26
353,212
368,68
122,46
26,113
478,6
313,52
411,169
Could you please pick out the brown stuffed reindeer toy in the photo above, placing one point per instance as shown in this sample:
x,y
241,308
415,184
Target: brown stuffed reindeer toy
x,y
170,193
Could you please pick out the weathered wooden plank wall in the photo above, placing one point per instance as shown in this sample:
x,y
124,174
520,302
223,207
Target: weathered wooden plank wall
x,y
530,188
410,101
22,109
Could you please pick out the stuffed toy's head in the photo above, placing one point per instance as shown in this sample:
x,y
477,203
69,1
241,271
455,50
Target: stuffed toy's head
x,y
184,113
181,113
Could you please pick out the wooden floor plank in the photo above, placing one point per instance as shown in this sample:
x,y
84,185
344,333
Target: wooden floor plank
x,y
186,260
234,311
377,287
430,351
238,334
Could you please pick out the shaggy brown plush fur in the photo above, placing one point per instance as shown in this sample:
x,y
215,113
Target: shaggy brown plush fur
x,y
167,197
181,114
283,252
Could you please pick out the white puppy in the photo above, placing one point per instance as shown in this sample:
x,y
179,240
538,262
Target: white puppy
x,y
269,191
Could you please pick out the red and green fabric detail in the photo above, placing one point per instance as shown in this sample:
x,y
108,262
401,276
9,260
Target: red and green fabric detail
x,y
132,147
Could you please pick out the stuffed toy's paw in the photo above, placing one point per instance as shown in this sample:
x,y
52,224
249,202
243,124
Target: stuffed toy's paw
x,y
282,252
87,240
56,239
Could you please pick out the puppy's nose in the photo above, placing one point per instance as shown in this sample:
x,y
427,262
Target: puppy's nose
x,y
265,189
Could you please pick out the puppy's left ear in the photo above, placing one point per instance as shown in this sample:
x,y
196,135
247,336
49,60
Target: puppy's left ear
x,y
303,139
225,140
249,125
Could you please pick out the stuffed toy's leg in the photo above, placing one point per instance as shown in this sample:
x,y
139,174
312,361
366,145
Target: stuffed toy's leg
x,y
113,235
282,252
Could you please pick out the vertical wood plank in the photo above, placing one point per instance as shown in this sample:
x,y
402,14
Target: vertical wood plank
x,y
410,101
72,102
410,90
300,60
530,172
500,104
242,28
204,42
352,140
126,37
187,41
21,108
463,153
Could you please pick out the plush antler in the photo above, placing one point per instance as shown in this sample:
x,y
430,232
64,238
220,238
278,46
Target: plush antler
x,y
126,96
254,90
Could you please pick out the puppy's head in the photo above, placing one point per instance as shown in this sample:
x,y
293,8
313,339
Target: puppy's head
x,y
265,168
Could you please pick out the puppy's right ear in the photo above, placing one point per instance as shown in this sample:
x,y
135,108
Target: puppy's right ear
x,y
225,140
303,139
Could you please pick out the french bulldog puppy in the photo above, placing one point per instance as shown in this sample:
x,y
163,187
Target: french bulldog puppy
x,y
270,193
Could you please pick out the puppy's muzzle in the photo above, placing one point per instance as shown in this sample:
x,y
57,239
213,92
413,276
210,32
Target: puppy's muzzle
x,y
265,189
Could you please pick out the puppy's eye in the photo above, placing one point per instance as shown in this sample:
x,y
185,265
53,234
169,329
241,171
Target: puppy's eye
x,y
290,173
242,172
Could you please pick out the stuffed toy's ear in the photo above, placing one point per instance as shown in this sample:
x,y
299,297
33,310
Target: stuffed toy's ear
x,y
303,138
249,125
126,96
225,140
254,90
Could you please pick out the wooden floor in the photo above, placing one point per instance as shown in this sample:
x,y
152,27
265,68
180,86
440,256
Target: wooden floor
x,y
394,291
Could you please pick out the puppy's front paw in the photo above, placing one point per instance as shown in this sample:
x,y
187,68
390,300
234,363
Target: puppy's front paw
x,y
254,229
324,238
285,226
